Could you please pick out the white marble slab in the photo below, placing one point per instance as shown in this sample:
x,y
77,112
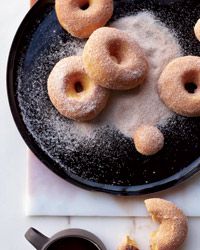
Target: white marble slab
x,y
47,194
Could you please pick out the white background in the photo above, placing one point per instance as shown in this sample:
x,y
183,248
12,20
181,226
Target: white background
x,y
13,222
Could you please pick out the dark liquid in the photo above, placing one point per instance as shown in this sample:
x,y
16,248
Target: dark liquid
x,y
72,244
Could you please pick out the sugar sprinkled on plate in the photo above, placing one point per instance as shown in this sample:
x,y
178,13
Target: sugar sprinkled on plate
x,y
129,109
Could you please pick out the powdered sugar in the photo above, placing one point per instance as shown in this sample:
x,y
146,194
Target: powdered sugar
x,y
129,109
126,110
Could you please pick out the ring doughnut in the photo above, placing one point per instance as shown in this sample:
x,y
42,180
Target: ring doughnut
x,y
81,17
173,224
179,86
72,93
114,60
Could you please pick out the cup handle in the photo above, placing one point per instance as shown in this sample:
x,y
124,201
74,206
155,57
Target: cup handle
x,y
37,239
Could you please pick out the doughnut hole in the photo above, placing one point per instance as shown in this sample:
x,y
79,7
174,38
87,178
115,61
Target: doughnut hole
x,y
191,81
148,140
119,52
197,30
84,4
190,87
115,51
77,85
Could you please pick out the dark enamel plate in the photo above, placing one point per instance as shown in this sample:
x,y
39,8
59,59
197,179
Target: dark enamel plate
x,y
108,160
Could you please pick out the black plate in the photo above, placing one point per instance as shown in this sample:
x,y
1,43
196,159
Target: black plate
x,y
105,162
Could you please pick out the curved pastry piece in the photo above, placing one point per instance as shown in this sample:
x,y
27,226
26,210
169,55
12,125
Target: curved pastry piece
x,y
173,224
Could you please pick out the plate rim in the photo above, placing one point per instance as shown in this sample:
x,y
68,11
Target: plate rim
x,y
171,181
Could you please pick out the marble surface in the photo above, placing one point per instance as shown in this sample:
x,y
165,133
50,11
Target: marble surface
x,y
13,222
47,194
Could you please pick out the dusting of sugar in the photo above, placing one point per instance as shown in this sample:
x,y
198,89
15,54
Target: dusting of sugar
x,y
36,93
127,110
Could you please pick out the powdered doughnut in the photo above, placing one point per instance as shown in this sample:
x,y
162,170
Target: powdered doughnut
x,y
114,60
72,93
179,85
81,17
197,29
148,140
173,224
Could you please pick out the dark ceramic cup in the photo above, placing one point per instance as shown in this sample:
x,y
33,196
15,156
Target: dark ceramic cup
x,y
75,239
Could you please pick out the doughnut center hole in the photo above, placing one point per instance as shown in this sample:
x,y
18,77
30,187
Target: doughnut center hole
x,y
78,86
85,6
115,52
191,87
